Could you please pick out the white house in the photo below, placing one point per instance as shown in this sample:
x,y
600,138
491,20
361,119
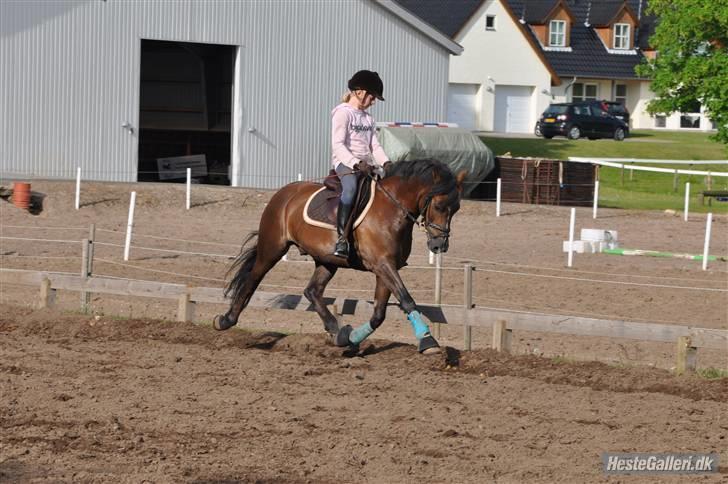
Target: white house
x,y
520,55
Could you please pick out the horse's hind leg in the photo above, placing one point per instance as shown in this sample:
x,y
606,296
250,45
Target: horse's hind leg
x,y
254,264
314,292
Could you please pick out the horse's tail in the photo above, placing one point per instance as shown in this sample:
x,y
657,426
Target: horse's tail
x,y
242,266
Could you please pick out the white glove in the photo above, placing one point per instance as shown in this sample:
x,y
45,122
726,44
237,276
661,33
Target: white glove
x,y
379,171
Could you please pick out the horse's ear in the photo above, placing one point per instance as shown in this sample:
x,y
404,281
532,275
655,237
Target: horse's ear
x,y
459,178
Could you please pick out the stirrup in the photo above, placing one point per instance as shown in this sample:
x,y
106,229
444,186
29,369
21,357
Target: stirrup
x,y
342,248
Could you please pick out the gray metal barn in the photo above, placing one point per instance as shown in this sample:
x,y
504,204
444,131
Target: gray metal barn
x,y
111,86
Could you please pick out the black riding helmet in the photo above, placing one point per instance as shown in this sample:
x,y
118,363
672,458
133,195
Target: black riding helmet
x,y
368,81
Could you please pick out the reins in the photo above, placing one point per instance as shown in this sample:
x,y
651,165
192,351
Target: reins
x,y
424,224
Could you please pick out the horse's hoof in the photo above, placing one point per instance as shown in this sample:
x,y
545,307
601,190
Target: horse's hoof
x,y
342,337
221,322
428,345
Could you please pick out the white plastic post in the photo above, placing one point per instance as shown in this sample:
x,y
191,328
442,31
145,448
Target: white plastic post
x,y
596,199
189,187
129,225
78,188
687,201
498,198
708,223
432,258
571,237
300,177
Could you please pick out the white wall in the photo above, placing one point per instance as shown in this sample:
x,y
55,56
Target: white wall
x,y
503,55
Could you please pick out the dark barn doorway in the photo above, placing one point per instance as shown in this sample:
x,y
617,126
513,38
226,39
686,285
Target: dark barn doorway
x,y
185,103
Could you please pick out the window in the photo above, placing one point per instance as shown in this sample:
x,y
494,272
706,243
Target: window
x,y
490,22
660,121
689,120
620,94
621,36
583,92
557,37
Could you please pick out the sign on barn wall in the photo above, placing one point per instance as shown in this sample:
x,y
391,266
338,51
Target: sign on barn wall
x,y
176,166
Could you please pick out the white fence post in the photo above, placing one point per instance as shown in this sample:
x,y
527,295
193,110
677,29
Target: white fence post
x,y
687,201
189,187
498,198
708,223
300,177
571,237
596,198
129,225
78,188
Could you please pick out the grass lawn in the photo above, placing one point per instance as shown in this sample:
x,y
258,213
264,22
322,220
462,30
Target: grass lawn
x,y
639,189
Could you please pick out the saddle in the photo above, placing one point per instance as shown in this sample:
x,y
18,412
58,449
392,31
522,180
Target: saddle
x,y
321,207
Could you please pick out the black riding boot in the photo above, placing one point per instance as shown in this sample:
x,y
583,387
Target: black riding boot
x,y
342,217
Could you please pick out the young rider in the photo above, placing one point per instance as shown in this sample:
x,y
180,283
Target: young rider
x,y
354,145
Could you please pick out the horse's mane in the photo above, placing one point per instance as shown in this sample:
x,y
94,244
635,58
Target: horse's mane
x,y
425,171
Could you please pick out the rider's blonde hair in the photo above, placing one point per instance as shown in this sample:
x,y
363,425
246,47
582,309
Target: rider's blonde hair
x,y
345,98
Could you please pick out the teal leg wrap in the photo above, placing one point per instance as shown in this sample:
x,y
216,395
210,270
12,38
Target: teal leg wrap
x,y
418,325
361,333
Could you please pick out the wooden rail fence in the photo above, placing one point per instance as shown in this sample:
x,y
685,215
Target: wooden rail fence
x,y
502,322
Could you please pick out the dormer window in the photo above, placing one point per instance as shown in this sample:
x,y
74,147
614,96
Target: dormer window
x,y
557,33
621,36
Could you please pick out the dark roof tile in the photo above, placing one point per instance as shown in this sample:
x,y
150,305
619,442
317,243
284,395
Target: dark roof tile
x,y
447,16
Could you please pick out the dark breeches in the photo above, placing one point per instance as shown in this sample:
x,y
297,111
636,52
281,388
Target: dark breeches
x,y
348,183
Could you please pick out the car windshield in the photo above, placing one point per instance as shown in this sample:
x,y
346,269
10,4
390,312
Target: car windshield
x,y
555,109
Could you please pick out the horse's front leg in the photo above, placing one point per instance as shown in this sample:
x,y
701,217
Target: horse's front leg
x,y
427,344
354,336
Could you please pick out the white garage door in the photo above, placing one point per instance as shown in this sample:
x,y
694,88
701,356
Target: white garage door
x,y
513,109
461,104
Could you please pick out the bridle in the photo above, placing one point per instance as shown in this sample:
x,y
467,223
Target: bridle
x,y
423,220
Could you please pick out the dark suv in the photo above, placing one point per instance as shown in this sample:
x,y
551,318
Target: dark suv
x,y
590,119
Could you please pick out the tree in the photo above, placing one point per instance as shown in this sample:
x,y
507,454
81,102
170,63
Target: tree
x,y
691,40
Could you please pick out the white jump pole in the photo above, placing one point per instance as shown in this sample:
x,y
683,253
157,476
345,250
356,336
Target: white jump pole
x,y
300,177
571,237
596,199
498,198
189,187
78,188
687,201
129,225
708,223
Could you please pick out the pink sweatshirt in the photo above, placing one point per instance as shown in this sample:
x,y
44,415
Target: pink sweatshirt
x,y
354,137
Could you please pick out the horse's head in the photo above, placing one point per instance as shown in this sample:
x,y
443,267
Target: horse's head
x,y
441,203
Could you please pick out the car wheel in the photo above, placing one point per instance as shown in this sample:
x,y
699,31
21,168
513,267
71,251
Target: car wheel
x,y
574,133
619,134
537,129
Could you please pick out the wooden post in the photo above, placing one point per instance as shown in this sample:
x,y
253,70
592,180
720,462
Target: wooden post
x,y
687,355
47,294
674,182
438,287
84,273
468,303
185,308
631,173
502,336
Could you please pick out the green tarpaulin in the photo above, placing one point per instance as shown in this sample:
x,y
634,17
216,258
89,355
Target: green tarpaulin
x,y
457,148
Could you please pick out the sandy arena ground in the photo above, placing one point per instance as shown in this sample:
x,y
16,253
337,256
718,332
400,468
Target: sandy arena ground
x,y
121,396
